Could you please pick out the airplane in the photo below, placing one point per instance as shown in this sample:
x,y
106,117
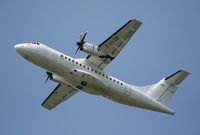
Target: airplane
x,y
88,74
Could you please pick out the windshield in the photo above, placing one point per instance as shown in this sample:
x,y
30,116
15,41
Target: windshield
x,y
36,43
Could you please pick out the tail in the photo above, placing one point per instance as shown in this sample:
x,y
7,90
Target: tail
x,y
164,89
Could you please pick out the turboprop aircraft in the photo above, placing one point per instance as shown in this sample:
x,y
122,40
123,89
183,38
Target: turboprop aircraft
x,y
88,74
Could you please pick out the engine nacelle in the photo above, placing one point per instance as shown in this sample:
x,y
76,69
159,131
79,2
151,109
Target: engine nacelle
x,y
91,49
94,50
57,78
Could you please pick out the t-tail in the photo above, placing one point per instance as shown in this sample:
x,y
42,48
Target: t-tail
x,y
162,91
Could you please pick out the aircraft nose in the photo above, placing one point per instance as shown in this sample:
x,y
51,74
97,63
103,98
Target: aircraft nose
x,y
20,48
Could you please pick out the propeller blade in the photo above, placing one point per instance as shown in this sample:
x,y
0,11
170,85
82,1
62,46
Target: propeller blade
x,y
77,50
83,38
46,80
49,76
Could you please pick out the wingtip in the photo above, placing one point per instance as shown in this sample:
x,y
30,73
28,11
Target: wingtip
x,y
138,21
186,72
46,107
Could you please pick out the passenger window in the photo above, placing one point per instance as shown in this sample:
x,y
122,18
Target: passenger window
x,y
95,71
61,55
80,64
69,59
72,60
76,62
65,57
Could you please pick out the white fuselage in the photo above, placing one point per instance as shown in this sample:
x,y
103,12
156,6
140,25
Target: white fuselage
x,y
86,77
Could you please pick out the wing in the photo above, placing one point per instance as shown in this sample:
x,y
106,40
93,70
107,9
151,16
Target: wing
x,y
114,44
61,93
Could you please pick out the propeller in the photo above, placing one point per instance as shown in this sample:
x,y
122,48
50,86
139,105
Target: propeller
x,y
49,76
81,42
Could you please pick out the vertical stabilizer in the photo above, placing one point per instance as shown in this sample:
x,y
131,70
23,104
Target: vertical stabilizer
x,y
164,89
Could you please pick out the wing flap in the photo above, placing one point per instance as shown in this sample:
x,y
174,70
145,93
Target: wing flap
x,y
60,94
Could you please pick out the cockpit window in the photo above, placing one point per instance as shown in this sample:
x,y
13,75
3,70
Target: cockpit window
x,y
36,43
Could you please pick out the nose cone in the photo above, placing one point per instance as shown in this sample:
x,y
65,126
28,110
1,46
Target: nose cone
x,y
22,49
18,47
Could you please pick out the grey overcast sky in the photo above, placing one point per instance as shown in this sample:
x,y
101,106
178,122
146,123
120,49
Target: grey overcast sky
x,y
168,40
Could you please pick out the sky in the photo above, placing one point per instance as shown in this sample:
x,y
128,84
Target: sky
x,y
167,41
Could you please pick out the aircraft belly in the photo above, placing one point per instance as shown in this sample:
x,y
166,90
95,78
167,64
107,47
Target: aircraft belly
x,y
82,80
85,81
138,99
132,97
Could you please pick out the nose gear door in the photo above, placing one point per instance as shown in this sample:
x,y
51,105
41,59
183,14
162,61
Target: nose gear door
x,y
127,91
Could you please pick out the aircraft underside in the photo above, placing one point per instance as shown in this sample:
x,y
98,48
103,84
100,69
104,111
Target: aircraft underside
x,y
88,75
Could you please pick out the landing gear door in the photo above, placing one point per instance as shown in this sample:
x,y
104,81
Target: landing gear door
x,y
87,78
127,91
